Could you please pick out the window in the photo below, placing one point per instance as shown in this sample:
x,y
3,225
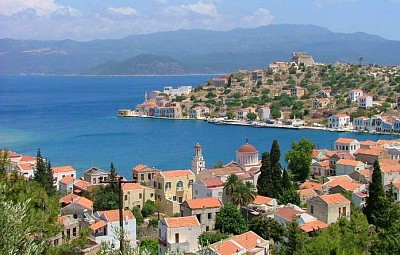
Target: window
x,y
126,197
198,216
94,180
190,183
142,177
180,200
149,176
159,185
174,198
75,216
196,192
179,184
209,216
155,185
72,175
68,233
159,233
140,195
151,194
176,237
312,209
344,211
74,231
168,185
63,175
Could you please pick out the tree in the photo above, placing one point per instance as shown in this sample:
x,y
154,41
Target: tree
x,y
43,174
264,184
275,153
286,183
289,196
230,220
149,208
295,240
105,199
150,245
219,164
267,228
138,216
4,163
211,237
244,194
230,115
232,184
375,202
299,159
251,116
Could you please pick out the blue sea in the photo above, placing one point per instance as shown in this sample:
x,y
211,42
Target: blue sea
x,y
73,121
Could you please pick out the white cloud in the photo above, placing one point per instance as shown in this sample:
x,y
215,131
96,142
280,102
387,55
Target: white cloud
x,y
203,8
41,7
261,17
123,10
324,3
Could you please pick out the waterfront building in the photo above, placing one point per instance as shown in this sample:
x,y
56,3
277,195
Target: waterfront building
x,y
355,94
200,112
205,209
172,110
60,172
242,113
264,113
144,174
180,91
135,195
106,228
179,233
95,175
171,189
329,208
246,243
361,123
347,145
198,161
339,121
365,102
209,187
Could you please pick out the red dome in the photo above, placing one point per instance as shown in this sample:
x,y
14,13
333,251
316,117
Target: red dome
x,y
247,148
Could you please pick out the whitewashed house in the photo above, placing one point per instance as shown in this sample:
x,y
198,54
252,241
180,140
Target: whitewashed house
x,y
355,94
339,121
365,102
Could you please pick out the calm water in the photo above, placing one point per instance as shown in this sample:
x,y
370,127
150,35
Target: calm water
x,y
72,120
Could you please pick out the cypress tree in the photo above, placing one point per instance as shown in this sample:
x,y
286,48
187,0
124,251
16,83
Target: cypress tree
x,y
375,203
264,184
275,154
286,183
43,174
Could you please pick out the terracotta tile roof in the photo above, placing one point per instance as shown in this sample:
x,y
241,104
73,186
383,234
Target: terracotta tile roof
x,y
98,225
113,215
69,198
311,185
200,203
329,153
390,168
226,247
344,155
288,213
132,186
368,143
356,90
177,173
213,182
67,179
334,199
313,225
361,194
315,153
349,162
345,140
25,167
344,181
248,240
225,171
83,201
307,193
262,200
244,176
365,172
82,184
179,222
386,161
62,169
26,158
72,198
373,151
11,154
139,168
324,164
341,115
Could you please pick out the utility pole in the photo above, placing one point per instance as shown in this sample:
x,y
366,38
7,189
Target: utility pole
x,y
119,181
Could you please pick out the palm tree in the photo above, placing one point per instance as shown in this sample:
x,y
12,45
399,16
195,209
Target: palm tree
x,y
251,192
244,194
232,184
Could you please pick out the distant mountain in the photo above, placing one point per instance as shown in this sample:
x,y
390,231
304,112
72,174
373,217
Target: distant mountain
x,y
195,51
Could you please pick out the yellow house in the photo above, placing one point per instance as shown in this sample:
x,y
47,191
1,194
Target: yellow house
x,y
136,195
171,189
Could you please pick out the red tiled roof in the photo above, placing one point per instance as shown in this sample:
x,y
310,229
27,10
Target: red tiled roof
x,y
200,203
177,173
313,225
311,185
98,225
349,162
225,170
72,198
226,247
262,200
345,140
139,168
113,215
344,181
248,240
247,148
82,184
386,168
69,198
307,193
373,151
288,213
67,179
341,115
83,201
179,222
26,158
25,167
368,143
131,186
334,199
213,182
62,169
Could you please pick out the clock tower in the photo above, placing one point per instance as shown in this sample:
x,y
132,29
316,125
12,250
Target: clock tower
x,y
198,162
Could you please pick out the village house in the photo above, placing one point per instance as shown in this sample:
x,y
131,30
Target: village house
x,y
368,144
347,166
66,184
338,155
359,198
242,113
395,187
209,187
144,174
339,121
369,156
312,224
306,194
171,189
320,102
355,94
205,209
287,214
70,230
219,82
297,91
257,75
182,90
106,228
179,233
246,243
361,123
365,102
264,201
321,168
200,112
81,186
342,183
26,170
172,110
325,92
390,173
329,208
264,113
135,195
60,172
361,176
316,186
347,144
78,207
95,175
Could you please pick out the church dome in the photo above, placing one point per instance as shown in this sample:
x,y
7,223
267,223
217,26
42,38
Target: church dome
x,y
247,148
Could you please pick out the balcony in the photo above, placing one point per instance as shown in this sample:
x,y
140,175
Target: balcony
x,y
179,188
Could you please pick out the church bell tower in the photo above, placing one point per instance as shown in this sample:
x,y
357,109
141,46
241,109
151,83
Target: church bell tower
x,y
198,162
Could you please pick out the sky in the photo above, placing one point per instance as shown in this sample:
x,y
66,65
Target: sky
x,y
84,20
